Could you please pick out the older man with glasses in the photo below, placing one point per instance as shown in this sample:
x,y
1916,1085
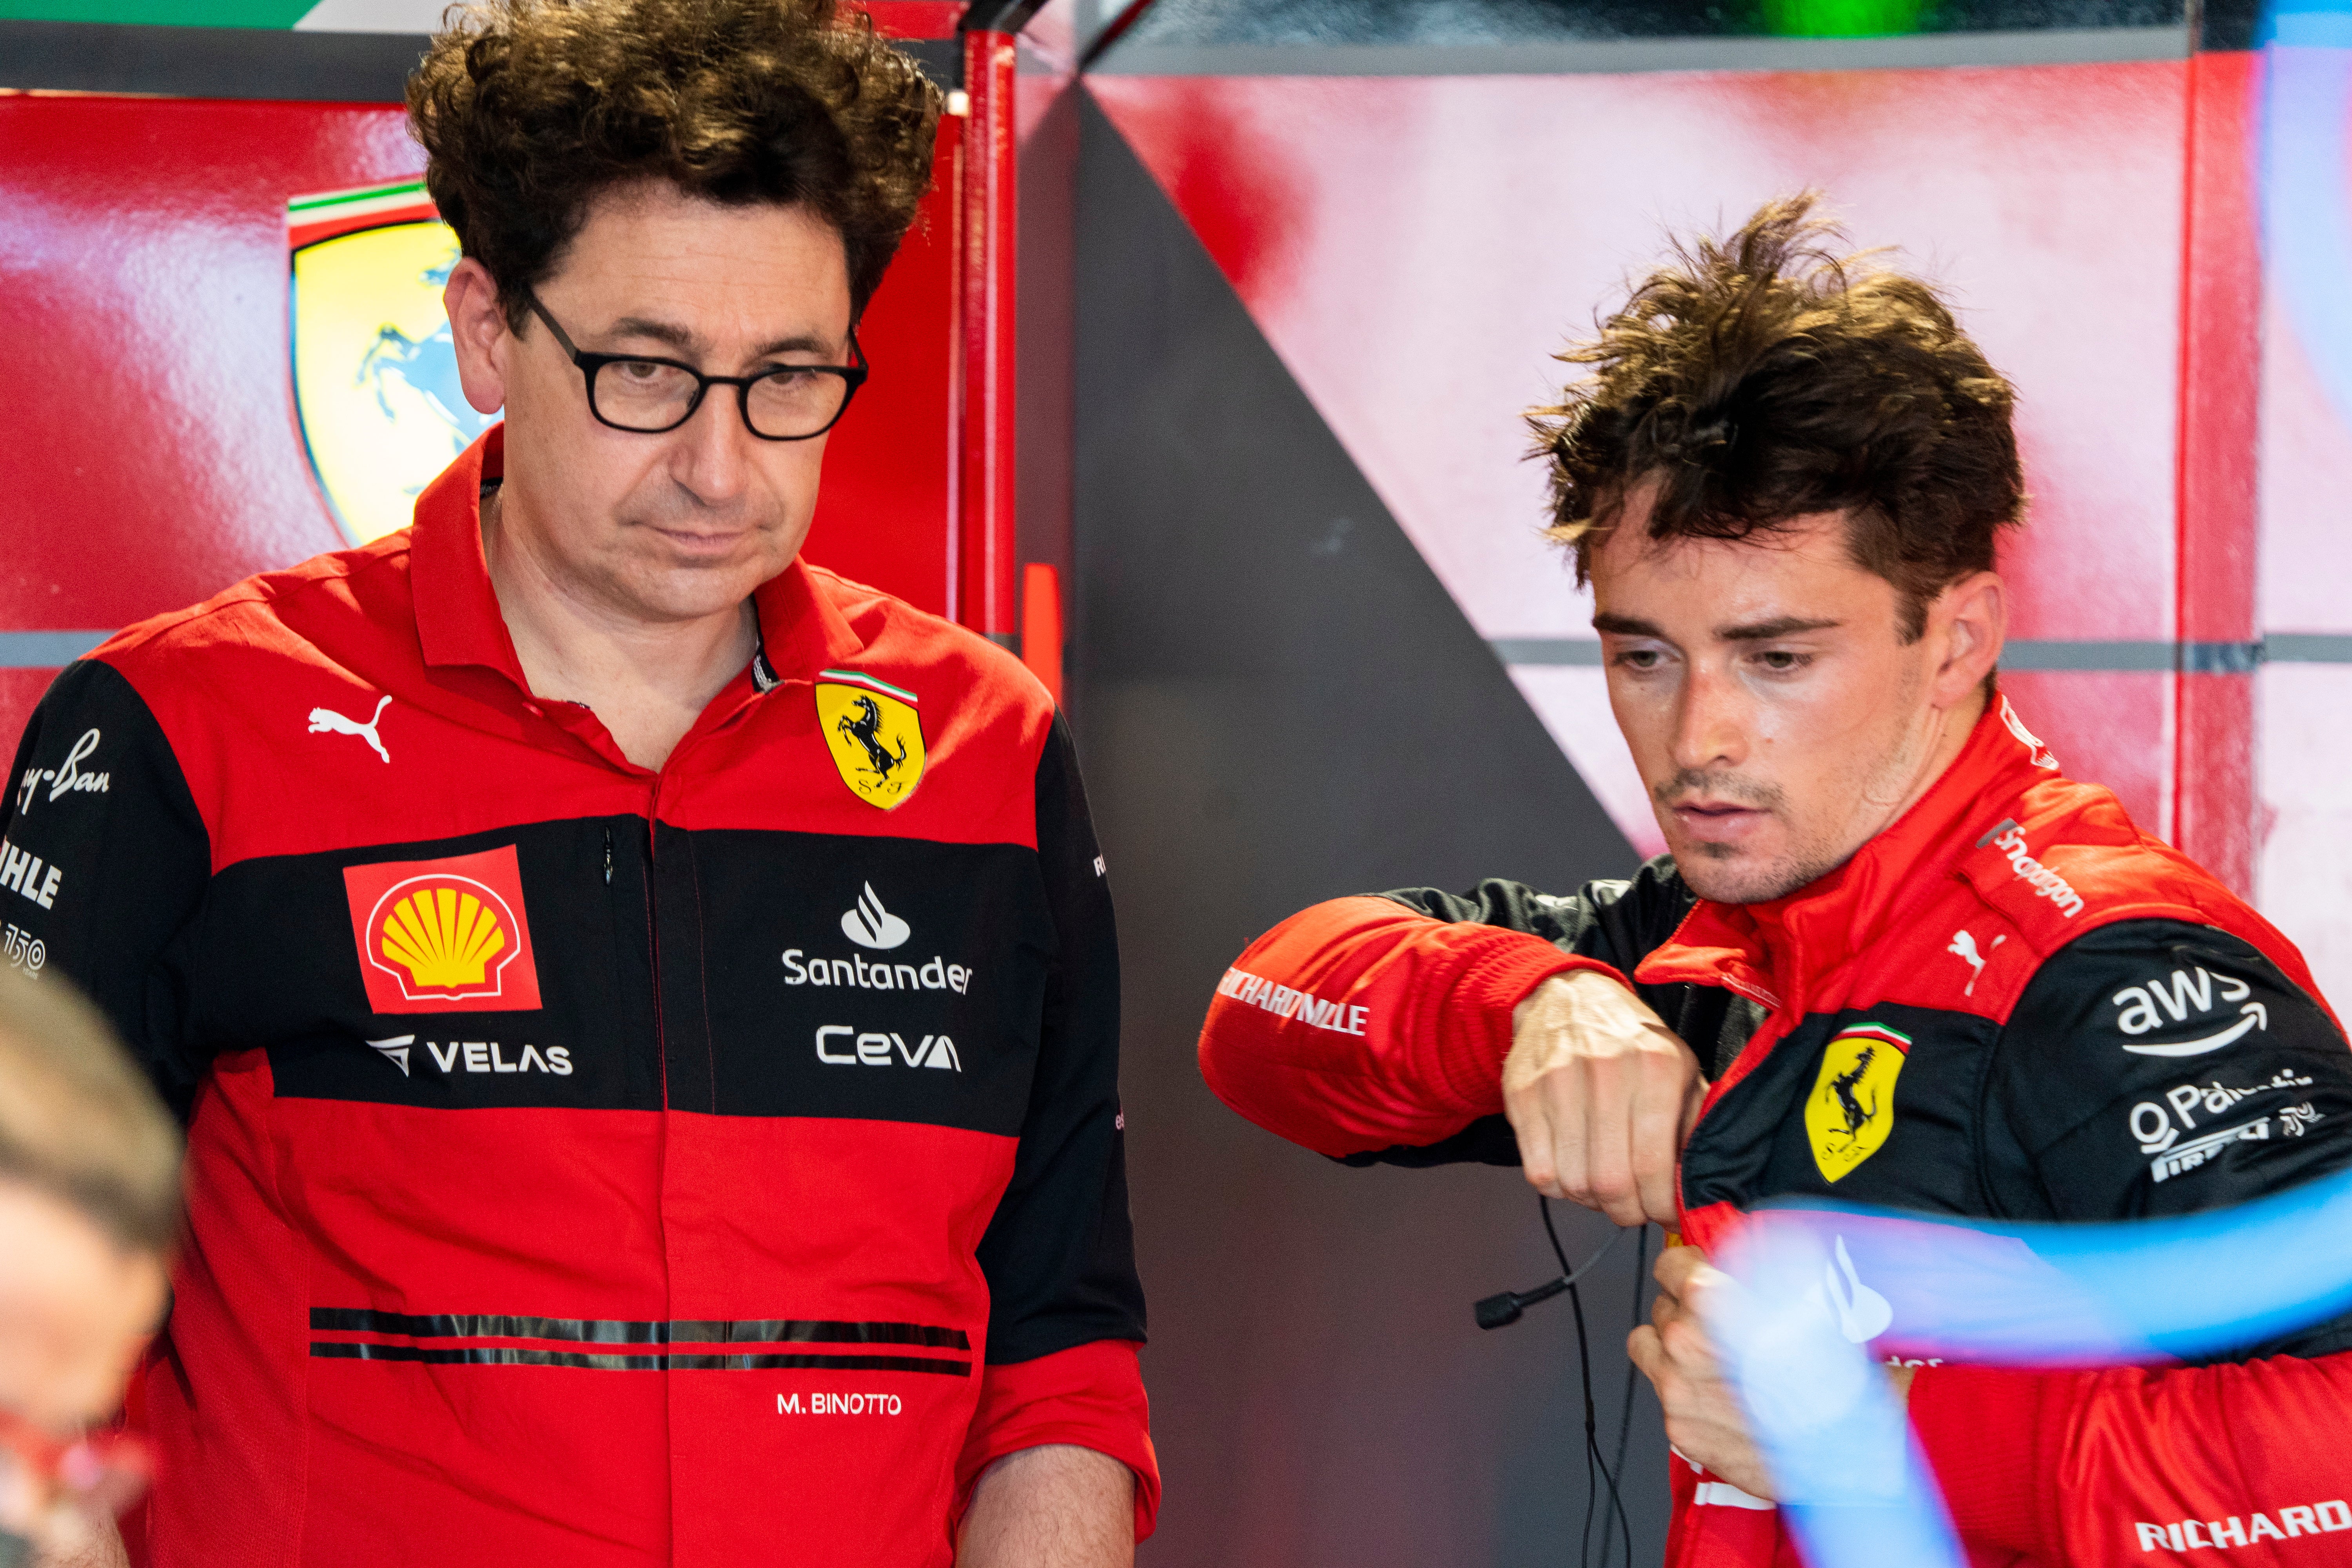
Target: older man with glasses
x,y
646,1008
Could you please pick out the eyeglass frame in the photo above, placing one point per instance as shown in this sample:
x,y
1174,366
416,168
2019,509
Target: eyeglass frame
x,y
589,364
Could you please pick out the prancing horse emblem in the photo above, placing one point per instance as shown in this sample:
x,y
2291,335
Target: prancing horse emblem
x,y
872,728
1855,1111
1851,1109
864,727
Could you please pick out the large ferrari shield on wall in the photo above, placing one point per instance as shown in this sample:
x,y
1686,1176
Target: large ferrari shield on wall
x,y
376,372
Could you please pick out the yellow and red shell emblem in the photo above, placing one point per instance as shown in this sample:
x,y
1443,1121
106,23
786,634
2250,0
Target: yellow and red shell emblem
x,y
445,932
446,935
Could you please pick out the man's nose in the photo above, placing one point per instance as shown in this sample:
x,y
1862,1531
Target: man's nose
x,y
1710,721
712,457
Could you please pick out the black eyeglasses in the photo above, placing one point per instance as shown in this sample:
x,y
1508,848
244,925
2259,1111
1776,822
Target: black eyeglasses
x,y
648,396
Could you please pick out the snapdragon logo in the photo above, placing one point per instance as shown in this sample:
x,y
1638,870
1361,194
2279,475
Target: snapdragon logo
x,y
2010,838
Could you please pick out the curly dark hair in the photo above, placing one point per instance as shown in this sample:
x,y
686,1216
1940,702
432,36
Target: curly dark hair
x,y
1766,376
528,109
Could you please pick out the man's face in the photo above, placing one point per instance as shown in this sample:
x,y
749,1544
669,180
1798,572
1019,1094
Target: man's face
x,y
75,1311
1775,713
678,526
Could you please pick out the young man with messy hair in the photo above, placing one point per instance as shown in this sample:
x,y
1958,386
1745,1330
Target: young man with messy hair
x,y
646,1008
1894,955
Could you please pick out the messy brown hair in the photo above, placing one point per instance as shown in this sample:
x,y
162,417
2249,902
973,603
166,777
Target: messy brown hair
x,y
79,1120
1771,375
529,109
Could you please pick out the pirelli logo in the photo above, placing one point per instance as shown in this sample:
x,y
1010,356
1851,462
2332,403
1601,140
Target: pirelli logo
x,y
612,1344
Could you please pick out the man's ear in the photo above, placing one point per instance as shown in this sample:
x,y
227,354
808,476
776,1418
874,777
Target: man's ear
x,y
478,326
1967,623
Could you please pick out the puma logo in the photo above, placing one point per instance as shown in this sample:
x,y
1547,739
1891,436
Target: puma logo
x,y
326,720
1964,948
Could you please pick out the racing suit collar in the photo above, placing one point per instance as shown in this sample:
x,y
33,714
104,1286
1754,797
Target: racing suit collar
x,y
1772,951
457,617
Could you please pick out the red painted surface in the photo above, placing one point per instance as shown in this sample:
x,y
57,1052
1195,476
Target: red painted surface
x,y
1416,247
143,259
916,18
986,500
1041,625
2221,411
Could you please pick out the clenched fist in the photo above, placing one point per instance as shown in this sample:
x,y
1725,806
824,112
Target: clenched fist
x,y
1602,1094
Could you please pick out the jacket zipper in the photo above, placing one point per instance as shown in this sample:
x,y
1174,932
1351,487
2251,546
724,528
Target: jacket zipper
x,y
608,855
652,933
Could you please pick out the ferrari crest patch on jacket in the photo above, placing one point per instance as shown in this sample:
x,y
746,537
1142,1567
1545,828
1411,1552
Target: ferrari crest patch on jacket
x,y
1852,1107
874,735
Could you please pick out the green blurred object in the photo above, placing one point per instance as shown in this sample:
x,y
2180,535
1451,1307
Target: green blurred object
x,y
182,13
1844,18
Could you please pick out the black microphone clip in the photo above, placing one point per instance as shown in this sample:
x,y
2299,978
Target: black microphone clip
x,y
1501,1312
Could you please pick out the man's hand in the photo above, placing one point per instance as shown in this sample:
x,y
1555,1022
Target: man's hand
x,y
1600,1093
1704,1420
1058,1506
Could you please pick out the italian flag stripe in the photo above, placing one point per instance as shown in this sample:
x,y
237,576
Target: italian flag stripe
x,y
863,678
1896,1038
329,213
364,198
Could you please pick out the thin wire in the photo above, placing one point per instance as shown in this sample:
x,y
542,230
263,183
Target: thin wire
x,y
1633,1379
1592,1415
1592,1450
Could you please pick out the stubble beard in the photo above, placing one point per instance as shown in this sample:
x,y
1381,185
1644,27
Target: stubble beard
x,y
1727,874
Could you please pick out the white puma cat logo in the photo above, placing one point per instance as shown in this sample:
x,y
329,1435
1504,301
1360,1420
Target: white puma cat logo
x,y
326,720
1964,948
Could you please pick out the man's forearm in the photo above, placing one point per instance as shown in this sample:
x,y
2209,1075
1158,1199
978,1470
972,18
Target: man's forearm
x,y
1053,1506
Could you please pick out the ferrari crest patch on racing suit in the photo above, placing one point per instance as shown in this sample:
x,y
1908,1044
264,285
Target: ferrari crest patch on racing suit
x,y
1852,1107
874,735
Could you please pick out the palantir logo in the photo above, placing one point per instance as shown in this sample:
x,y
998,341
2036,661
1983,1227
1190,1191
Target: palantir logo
x,y
871,925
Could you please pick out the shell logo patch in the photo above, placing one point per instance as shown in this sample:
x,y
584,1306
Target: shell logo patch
x,y
375,370
1852,1107
874,733
444,936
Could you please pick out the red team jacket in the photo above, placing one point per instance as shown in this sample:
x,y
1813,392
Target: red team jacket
x,y
590,1165
2009,1004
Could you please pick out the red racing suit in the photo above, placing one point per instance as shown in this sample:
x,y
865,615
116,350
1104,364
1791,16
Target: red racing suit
x,y
2009,1004
592,1165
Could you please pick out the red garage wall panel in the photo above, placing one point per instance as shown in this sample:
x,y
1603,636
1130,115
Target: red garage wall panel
x,y
1416,247
145,265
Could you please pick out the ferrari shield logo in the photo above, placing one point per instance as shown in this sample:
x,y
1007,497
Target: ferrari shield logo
x,y
1853,1103
376,372
874,735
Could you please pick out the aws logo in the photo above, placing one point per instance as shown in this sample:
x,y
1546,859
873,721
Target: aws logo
x,y
444,936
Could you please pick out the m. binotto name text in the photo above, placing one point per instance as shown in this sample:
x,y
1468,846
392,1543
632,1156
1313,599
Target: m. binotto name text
x,y
839,1405
2315,1519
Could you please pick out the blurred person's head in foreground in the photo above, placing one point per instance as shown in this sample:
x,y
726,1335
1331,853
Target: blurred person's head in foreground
x,y
89,1212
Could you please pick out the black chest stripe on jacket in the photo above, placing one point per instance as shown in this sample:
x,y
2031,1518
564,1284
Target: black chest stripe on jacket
x,y
885,979
411,1327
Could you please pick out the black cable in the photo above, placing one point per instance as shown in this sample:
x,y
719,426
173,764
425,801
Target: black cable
x,y
1592,1415
1584,1371
1632,1378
